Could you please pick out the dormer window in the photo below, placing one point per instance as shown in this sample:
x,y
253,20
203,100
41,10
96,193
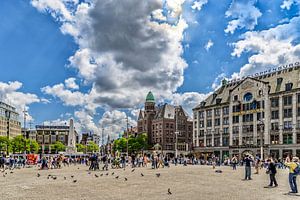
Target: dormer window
x,y
235,98
288,86
218,100
279,81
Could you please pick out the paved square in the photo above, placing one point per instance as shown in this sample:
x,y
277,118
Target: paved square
x,y
191,182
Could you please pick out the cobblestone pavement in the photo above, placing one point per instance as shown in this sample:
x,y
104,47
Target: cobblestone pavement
x,y
191,183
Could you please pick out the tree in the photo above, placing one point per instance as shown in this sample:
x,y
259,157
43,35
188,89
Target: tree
x,y
34,146
81,148
135,144
120,145
58,146
19,144
4,144
92,147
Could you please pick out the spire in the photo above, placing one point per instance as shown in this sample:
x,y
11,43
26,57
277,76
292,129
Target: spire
x,y
150,97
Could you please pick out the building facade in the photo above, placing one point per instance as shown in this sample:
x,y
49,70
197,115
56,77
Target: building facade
x,y
48,135
166,125
253,113
89,137
10,126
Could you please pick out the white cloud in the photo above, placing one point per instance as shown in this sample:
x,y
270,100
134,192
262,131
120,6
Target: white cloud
x,y
244,14
287,4
9,94
218,81
209,44
270,48
71,84
199,4
188,100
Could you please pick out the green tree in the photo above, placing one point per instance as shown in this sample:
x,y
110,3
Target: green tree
x,y
58,146
81,148
19,144
34,146
4,144
92,147
120,145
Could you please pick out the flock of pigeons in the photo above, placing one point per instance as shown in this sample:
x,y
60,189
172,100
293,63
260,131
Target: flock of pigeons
x,y
54,177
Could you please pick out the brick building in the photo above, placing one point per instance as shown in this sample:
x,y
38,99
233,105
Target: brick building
x,y
161,123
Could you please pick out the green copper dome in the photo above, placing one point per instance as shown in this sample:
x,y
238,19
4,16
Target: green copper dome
x,y
150,97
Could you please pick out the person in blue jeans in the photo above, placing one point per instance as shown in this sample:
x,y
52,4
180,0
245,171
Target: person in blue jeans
x,y
248,160
292,176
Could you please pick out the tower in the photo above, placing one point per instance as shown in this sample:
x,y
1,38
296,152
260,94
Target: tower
x,y
71,148
149,114
150,103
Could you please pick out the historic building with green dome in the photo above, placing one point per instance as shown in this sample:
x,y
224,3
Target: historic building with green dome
x,y
162,122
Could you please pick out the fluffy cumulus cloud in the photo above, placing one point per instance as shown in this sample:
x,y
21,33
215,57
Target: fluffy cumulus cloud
x,y
269,48
287,4
71,84
197,5
244,14
126,48
188,100
9,93
114,123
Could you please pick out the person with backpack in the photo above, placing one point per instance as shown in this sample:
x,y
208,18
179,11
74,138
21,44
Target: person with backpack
x,y
294,170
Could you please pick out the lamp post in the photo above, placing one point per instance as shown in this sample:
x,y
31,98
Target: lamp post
x,y
176,133
261,125
127,135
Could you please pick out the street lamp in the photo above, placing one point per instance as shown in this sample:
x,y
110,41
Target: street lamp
x,y
261,124
176,133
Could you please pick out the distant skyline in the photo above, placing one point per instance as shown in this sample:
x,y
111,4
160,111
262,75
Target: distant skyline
x,y
96,60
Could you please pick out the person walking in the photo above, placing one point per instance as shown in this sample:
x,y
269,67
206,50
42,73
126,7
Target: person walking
x,y
292,165
271,170
248,160
234,162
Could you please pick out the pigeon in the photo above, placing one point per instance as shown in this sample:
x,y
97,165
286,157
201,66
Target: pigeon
x,y
11,172
78,168
112,173
38,175
96,176
142,174
219,171
132,170
101,174
124,169
106,174
89,173
54,177
72,176
65,178
117,177
157,175
125,179
74,181
169,191
3,175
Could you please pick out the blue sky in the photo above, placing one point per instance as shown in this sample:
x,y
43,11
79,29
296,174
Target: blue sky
x,y
96,61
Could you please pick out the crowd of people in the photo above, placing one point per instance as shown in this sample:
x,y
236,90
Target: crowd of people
x,y
158,160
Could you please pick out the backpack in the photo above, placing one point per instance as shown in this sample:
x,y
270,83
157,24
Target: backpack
x,y
297,169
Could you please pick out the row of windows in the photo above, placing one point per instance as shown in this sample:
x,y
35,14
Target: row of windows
x,y
225,111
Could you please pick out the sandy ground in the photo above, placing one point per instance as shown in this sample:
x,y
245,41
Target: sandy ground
x,y
191,182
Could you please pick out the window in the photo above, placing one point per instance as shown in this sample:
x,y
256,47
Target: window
x,y
235,141
208,142
217,122
201,124
274,126
248,97
274,139
225,110
201,133
167,125
217,142
298,98
235,119
279,81
201,114
275,114
225,131
217,131
248,118
208,123
235,130
274,102
260,115
208,113
236,108
287,100
288,86
287,125
287,138
225,141
225,120
287,113
217,112
235,98
298,111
